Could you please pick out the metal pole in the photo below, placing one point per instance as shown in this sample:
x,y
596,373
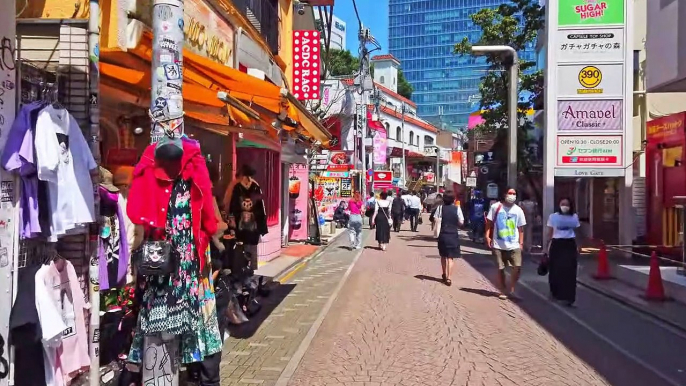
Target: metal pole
x,y
402,141
512,108
166,107
94,121
363,118
438,160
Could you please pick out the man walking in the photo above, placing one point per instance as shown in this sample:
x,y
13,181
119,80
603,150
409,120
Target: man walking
x,y
505,235
415,208
397,212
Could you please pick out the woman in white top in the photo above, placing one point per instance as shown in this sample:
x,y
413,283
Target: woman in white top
x,y
563,252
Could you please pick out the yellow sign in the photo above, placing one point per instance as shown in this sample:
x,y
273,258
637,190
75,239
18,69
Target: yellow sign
x,y
199,38
590,78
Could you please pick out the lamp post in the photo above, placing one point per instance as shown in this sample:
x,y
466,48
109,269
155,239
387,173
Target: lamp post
x,y
512,105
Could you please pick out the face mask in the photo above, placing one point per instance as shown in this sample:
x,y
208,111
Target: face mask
x,y
511,198
564,209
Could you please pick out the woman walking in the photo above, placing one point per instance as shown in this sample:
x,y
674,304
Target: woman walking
x,y
563,252
381,220
355,206
451,218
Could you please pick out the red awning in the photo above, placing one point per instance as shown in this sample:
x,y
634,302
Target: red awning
x,y
374,125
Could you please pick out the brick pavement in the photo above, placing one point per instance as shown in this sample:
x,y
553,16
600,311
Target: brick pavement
x,y
392,324
258,351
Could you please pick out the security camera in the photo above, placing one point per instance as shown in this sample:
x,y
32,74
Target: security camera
x,y
300,7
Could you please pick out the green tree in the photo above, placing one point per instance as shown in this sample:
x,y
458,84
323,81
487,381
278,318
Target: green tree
x,y
404,87
515,24
341,63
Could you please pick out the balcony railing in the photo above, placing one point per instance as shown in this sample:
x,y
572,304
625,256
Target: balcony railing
x,y
264,16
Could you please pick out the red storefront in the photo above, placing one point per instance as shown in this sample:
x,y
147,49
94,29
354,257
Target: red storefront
x,y
665,178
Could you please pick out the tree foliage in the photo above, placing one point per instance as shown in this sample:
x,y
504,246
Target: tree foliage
x,y
404,87
515,24
342,63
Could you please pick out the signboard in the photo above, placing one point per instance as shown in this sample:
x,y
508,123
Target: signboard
x,y
586,172
122,157
590,151
338,158
382,176
590,12
590,115
346,187
327,194
470,182
207,34
669,128
594,45
306,65
596,80
430,151
379,143
336,174
297,194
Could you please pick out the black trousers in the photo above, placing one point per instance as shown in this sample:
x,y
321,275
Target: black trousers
x,y
397,221
414,215
209,370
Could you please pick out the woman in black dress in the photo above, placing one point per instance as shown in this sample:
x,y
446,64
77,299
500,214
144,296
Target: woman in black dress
x,y
451,219
381,220
563,252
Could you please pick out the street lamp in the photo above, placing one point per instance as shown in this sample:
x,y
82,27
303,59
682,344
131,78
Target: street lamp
x,y
512,106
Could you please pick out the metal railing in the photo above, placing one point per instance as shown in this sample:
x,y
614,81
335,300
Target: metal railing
x,y
264,16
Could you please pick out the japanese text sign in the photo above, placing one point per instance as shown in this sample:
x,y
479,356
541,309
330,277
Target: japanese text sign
x,y
589,151
306,65
594,45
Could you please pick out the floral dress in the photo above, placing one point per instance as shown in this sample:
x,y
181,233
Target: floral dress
x,y
178,304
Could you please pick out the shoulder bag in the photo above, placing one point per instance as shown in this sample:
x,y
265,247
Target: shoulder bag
x,y
437,221
156,257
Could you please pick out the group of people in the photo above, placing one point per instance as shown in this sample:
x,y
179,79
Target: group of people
x,y
505,222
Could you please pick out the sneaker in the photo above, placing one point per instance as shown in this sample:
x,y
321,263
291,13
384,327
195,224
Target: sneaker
x,y
358,247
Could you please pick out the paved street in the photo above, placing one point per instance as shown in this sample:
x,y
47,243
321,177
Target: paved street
x,y
393,323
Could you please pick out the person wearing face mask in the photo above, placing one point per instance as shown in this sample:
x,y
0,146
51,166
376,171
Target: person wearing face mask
x,y
563,252
505,235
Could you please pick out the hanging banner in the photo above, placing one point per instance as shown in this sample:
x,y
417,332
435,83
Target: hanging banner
x,y
306,65
455,167
297,194
380,147
327,194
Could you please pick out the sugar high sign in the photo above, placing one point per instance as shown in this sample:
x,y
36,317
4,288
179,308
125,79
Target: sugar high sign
x,y
306,70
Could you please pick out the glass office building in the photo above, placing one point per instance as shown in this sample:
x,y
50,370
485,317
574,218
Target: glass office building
x,y
422,35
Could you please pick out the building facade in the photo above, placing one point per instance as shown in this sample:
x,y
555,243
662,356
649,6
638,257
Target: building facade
x,y
422,36
338,30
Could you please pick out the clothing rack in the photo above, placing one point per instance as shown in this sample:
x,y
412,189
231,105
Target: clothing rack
x,y
33,252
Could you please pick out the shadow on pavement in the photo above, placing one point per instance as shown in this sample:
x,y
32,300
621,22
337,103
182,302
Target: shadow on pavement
x,y
278,293
429,278
478,291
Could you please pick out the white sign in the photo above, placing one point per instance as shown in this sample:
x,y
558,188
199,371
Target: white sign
x,y
590,45
430,151
590,80
492,190
471,182
590,151
576,172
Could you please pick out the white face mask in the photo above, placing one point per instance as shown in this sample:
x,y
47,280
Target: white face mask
x,y
511,198
564,209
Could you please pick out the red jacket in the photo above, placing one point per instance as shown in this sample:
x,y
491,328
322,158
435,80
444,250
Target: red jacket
x,y
151,189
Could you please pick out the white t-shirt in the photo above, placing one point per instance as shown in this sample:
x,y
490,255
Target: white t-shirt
x,y
415,202
563,225
406,199
506,225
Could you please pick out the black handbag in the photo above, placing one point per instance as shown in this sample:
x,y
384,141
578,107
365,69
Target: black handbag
x,y
543,266
156,257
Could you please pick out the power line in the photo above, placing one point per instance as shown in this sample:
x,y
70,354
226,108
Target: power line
x,y
357,14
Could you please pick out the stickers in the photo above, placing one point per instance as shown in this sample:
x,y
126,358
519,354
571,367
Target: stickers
x,y
166,58
165,26
167,43
181,24
174,86
171,71
175,105
163,12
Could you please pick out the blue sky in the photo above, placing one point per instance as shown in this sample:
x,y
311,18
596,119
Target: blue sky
x,y
374,15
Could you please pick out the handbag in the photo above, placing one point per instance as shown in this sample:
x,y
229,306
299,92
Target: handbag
x,y
156,257
543,265
437,221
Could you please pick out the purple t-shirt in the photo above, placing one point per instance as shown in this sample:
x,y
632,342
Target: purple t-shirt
x,y
355,207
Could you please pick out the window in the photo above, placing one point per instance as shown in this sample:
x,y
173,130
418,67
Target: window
x,y
411,137
428,140
388,129
382,80
398,133
417,142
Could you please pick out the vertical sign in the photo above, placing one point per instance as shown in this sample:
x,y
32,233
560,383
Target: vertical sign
x,y
379,142
7,214
306,65
297,195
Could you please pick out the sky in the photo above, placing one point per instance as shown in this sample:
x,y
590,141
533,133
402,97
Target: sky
x,y
374,15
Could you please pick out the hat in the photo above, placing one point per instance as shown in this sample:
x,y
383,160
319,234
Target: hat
x,y
123,175
106,180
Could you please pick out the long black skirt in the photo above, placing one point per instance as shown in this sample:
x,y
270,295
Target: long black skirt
x,y
562,268
383,228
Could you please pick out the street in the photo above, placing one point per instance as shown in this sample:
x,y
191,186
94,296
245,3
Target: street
x,y
369,317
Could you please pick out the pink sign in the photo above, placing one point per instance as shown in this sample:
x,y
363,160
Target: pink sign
x,y
597,115
297,195
380,147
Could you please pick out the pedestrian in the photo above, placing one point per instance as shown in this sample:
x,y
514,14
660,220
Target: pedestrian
x,y
563,252
369,209
505,235
340,215
406,199
397,212
355,206
382,221
451,219
437,202
415,208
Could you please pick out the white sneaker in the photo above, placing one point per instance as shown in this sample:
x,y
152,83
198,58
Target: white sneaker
x,y
358,247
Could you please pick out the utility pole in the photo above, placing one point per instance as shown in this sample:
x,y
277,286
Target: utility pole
x,y
94,127
166,113
438,162
366,86
402,141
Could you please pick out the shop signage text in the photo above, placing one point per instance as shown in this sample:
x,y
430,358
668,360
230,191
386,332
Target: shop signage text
x,y
306,65
336,174
586,79
206,33
215,48
596,45
666,128
576,172
382,176
596,115
589,151
590,12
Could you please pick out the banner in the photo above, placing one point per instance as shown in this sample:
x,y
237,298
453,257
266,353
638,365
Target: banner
x,y
327,194
380,142
306,65
455,167
297,194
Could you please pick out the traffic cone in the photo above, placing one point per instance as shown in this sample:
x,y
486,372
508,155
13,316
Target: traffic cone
x,y
655,290
603,272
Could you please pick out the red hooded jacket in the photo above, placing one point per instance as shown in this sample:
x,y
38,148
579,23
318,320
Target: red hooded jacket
x,y
151,188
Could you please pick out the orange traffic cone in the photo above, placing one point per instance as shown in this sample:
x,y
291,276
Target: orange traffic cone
x,y
603,272
655,290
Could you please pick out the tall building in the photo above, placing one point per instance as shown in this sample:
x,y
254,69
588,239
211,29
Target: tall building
x,y
422,36
337,31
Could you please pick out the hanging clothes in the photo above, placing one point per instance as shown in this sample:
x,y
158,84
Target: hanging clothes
x,y
172,303
65,162
52,328
247,208
18,158
113,246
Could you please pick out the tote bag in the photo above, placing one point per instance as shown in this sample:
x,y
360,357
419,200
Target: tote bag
x,y
437,221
